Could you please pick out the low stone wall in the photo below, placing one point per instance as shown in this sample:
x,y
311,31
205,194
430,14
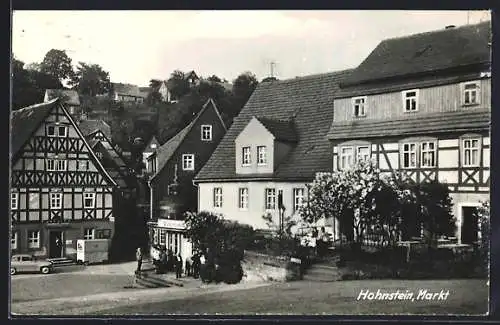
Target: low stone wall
x,y
258,267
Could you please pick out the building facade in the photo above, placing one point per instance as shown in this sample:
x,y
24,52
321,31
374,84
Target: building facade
x,y
272,152
60,192
427,114
127,93
172,168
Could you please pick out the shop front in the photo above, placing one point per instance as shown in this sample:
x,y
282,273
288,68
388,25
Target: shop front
x,y
169,234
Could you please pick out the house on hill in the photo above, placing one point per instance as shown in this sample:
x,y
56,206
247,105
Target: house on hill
x,y
421,104
172,167
273,149
70,98
192,78
127,93
60,191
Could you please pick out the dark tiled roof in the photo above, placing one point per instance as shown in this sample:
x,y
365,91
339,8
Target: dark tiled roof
x,y
127,89
167,150
89,126
413,124
70,96
282,130
425,53
306,100
25,121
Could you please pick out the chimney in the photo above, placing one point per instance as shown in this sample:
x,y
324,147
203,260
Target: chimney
x,y
450,27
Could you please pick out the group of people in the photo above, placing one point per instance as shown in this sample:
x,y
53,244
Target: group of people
x,y
165,261
321,240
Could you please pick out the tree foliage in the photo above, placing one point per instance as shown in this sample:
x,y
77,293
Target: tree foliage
x,y
208,230
363,201
177,84
57,64
28,86
91,79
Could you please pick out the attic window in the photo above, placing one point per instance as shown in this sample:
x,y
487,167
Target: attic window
x,y
410,100
358,106
470,93
57,130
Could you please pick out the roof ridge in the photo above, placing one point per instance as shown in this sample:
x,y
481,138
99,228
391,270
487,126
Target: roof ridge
x,y
309,76
435,31
21,110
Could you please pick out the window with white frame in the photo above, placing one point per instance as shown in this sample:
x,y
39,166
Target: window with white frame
x,y
217,197
471,93
270,198
14,200
13,240
358,106
409,153
98,154
428,154
243,198
56,165
89,233
346,157
470,152
33,239
245,156
55,200
163,237
261,155
206,132
410,100
298,198
188,162
89,200
57,131
363,153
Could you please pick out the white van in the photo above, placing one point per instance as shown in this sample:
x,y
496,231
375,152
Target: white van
x,y
90,251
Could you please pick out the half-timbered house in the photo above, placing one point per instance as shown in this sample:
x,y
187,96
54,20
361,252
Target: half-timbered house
x,y
60,192
421,104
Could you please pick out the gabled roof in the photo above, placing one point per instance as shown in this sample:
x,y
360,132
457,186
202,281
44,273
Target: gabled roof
x,y
305,100
127,89
71,96
90,126
153,141
24,123
440,122
167,150
425,53
282,130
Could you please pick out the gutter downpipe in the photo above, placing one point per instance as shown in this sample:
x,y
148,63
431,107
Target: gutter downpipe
x,y
150,200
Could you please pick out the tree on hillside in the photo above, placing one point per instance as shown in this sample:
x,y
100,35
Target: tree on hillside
x,y
91,79
57,63
178,84
28,86
154,97
214,78
244,85
154,83
34,66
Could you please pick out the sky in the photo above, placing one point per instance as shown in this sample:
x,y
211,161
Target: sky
x,y
137,46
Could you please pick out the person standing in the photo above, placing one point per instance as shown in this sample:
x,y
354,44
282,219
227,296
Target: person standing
x,y
178,266
138,257
187,269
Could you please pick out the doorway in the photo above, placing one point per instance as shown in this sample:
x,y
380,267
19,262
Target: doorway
x,y
469,231
55,244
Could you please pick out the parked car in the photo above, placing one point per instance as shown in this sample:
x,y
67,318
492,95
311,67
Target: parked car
x,y
28,263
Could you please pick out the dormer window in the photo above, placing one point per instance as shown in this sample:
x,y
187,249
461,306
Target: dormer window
x,y
261,155
245,156
54,130
206,132
470,93
410,100
151,164
188,162
358,106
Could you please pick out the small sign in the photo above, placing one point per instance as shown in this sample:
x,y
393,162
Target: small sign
x,y
172,224
69,242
